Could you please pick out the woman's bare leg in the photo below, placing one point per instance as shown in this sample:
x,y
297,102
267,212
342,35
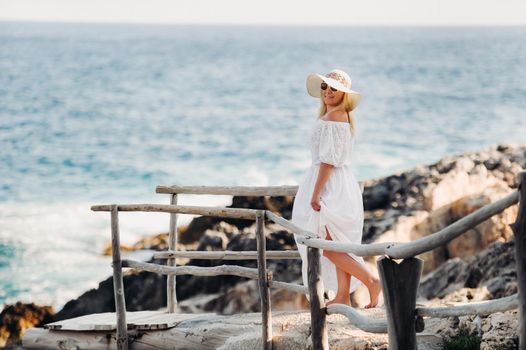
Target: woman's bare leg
x,y
344,281
354,268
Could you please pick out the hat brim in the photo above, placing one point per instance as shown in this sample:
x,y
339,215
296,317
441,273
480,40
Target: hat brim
x,y
314,81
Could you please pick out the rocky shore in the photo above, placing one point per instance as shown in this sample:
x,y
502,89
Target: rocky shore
x,y
401,207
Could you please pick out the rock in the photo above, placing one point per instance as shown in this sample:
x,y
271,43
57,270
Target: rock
x,y
430,198
197,227
495,228
16,318
497,331
157,242
143,291
456,185
287,270
493,268
501,331
376,197
242,298
446,279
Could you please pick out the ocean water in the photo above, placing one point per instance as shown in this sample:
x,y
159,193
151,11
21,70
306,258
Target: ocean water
x,y
97,114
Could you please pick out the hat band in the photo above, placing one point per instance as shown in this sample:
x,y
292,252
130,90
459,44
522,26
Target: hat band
x,y
338,78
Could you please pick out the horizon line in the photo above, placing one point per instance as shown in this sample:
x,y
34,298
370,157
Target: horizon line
x,y
62,21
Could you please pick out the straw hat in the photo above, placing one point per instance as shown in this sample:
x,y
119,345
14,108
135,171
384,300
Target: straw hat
x,y
336,78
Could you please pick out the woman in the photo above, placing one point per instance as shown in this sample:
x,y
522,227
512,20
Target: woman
x,y
329,199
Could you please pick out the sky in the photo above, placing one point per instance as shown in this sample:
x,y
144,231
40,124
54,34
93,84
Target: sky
x,y
270,12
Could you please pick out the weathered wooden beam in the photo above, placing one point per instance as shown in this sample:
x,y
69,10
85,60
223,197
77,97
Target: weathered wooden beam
x,y
482,308
249,214
320,338
292,287
440,238
365,323
37,338
358,249
234,270
231,190
399,286
118,283
519,233
227,254
284,190
171,295
287,224
264,290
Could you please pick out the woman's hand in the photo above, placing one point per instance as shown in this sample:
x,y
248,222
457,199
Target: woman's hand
x,y
315,201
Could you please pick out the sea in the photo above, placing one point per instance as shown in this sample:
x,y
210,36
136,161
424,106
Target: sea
x,y
103,113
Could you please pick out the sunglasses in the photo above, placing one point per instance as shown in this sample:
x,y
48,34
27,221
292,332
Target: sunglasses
x,y
324,86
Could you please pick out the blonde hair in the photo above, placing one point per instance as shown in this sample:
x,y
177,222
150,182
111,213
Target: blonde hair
x,y
345,105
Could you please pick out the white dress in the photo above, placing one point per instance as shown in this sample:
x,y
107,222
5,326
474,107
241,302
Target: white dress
x,y
340,199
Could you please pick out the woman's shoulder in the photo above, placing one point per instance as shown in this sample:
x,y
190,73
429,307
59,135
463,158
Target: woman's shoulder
x,y
336,116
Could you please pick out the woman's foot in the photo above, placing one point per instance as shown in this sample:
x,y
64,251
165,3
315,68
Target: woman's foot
x,y
339,300
375,287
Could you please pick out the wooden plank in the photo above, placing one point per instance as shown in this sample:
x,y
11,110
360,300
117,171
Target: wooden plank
x,y
118,283
171,296
159,320
141,320
320,338
227,254
40,338
264,290
519,232
285,190
234,270
400,285
222,212
94,322
162,320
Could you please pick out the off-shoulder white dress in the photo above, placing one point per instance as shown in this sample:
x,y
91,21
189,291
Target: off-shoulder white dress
x,y
340,200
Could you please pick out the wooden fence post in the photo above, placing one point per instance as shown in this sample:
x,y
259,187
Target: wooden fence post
x,y
318,314
519,231
264,290
118,284
171,295
400,285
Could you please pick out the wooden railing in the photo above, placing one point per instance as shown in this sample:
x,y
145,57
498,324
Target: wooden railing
x,y
400,280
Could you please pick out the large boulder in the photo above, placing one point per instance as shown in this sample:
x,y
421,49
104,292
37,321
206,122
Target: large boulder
x,y
430,198
16,318
494,268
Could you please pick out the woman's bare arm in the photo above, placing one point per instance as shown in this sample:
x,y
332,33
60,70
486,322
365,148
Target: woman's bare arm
x,y
323,176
